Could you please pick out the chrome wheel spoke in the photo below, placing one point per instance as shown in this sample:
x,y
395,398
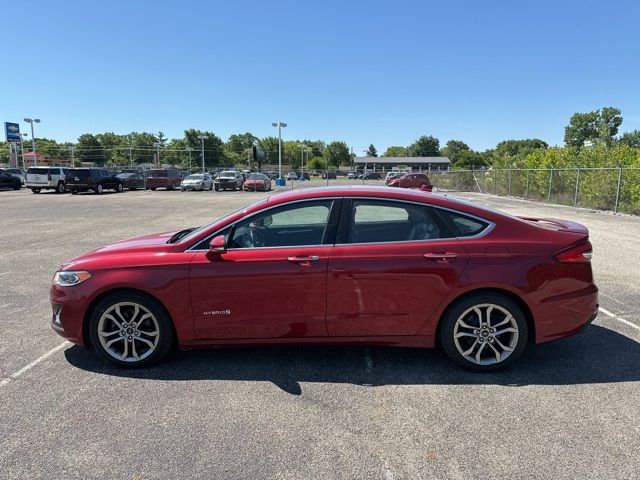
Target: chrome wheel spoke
x,y
503,347
489,310
134,351
113,319
151,334
111,342
505,330
144,340
507,319
468,352
477,357
495,350
464,325
465,334
108,334
125,352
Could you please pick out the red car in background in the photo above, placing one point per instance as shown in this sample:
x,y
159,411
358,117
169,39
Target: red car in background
x,y
257,182
412,180
339,265
168,178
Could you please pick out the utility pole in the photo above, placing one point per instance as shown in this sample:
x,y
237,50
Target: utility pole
x,y
189,149
73,163
280,126
202,139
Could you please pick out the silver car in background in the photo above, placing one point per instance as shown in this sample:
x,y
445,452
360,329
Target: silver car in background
x,y
197,181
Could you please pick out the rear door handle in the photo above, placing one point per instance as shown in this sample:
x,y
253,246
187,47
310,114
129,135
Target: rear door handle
x,y
441,257
304,260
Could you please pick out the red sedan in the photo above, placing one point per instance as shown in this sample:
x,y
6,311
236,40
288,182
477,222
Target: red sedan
x,y
343,265
412,180
257,182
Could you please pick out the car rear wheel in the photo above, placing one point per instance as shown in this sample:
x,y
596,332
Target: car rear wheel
x,y
35,190
99,189
217,188
60,188
484,332
130,330
119,188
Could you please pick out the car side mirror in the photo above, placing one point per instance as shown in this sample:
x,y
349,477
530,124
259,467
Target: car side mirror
x,y
217,247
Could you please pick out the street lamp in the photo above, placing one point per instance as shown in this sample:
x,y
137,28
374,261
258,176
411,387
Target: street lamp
x,y
280,126
33,138
157,145
303,147
202,139
22,150
189,149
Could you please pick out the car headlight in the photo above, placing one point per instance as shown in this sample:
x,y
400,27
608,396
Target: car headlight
x,y
70,279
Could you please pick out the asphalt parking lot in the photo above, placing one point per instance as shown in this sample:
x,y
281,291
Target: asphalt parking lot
x,y
568,409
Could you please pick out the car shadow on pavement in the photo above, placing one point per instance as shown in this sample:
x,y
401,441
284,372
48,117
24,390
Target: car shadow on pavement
x,y
598,355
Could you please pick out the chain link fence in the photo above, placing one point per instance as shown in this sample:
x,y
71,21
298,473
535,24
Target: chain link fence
x,y
616,189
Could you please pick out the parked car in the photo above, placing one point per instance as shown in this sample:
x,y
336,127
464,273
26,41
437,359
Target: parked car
x,y
8,180
257,181
392,175
372,176
18,172
228,180
272,174
397,267
314,173
197,181
341,173
352,174
46,178
168,178
96,179
329,175
292,176
412,180
131,180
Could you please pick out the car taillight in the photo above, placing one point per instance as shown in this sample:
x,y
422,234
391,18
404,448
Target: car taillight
x,y
580,253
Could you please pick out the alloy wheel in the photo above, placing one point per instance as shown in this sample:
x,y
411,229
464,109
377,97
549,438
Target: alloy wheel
x,y
486,334
128,331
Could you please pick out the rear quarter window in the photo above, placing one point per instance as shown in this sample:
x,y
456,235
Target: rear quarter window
x,y
461,224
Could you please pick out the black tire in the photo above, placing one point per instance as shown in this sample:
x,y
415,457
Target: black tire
x,y
454,313
35,190
17,186
119,188
166,337
60,188
153,189
99,189
217,188
74,192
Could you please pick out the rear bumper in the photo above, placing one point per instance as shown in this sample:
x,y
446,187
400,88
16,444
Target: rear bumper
x,y
565,315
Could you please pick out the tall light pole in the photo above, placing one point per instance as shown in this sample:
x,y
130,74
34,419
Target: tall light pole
x,y
189,149
130,152
157,145
302,150
22,150
33,138
280,126
202,139
73,163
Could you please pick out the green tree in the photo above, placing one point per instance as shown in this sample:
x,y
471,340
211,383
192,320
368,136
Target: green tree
x,y
371,151
519,147
337,153
90,150
631,139
425,146
270,147
240,142
317,163
454,148
213,147
601,125
396,152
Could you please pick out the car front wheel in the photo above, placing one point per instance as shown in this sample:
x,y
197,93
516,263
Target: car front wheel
x,y
119,188
99,189
484,332
130,330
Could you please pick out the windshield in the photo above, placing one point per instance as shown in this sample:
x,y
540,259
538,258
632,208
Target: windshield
x,y
195,177
38,170
255,176
125,175
228,173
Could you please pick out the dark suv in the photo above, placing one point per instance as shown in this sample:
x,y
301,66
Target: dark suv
x,y
96,179
168,178
9,181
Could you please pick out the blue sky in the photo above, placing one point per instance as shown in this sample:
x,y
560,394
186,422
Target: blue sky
x,y
362,72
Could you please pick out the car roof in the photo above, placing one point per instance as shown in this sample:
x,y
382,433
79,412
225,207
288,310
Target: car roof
x,y
408,194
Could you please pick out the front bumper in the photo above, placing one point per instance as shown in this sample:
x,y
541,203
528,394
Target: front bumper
x,y
68,308
192,186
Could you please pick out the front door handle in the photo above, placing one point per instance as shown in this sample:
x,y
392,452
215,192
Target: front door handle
x,y
304,260
441,257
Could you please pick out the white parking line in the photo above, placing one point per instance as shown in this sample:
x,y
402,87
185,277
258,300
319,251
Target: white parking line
x,y
620,319
4,273
29,366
